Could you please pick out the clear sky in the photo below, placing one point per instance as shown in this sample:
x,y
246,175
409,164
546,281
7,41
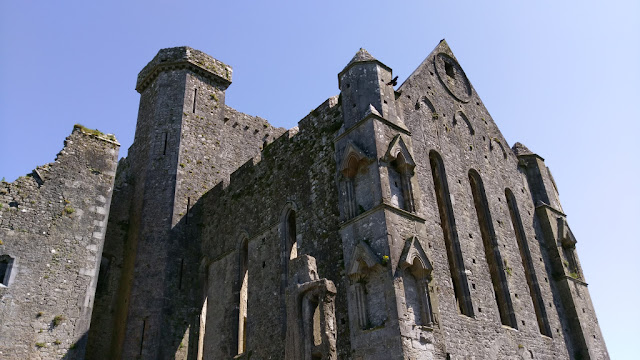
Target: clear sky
x,y
561,77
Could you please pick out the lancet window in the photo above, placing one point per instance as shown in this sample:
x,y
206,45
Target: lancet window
x,y
527,262
244,296
492,251
448,223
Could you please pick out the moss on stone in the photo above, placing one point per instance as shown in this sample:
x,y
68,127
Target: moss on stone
x,y
95,132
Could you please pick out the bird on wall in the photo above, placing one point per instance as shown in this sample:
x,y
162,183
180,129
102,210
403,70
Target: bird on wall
x,y
393,81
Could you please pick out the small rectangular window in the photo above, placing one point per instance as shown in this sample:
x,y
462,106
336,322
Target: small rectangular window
x,y
6,263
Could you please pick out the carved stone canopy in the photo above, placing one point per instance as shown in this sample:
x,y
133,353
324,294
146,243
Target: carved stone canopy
x,y
565,235
352,159
362,260
414,258
398,153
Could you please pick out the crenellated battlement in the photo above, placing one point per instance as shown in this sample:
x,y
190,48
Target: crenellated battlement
x,y
185,57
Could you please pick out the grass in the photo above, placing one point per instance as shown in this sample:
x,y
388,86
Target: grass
x,y
57,320
94,132
69,210
40,345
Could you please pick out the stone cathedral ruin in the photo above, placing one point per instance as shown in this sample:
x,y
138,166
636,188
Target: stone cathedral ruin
x,y
394,222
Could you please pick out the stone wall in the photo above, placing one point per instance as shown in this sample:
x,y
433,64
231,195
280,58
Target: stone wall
x,y
52,226
294,173
445,115
187,140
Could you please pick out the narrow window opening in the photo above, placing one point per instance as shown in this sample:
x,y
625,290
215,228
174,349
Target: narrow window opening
x,y
244,297
527,262
571,261
144,326
164,150
492,252
195,96
180,271
103,276
448,68
447,221
317,330
188,206
292,243
203,326
6,263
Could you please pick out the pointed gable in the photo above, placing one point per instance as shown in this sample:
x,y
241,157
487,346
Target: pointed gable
x,y
398,147
412,251
362,259
352,158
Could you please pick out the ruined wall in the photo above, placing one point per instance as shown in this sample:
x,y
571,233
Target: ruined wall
x,y
52,227
294,173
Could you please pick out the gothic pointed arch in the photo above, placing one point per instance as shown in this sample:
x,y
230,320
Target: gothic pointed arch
x,y
398,147
416,269
461,116
362,260
243,296
367,284
413,251
499,143
400,173
352,159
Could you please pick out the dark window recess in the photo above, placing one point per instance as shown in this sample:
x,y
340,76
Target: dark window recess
x,y
195,96
144,325
6,263
188,206
243,296
164,150
448,68
103,277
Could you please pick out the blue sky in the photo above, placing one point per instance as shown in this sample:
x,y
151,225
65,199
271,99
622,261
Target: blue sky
x,y
559,76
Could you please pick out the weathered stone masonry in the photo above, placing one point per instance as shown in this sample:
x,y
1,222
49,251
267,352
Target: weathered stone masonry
x,y
52,226
391,223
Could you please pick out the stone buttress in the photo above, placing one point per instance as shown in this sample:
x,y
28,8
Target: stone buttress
x,y
579,323
389,304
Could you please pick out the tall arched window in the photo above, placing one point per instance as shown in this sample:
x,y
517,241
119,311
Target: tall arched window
x,y
244,296
448,223
292,243
527,262
492,252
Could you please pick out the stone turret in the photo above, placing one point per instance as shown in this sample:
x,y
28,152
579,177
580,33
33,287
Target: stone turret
x,y
366,87
378,188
